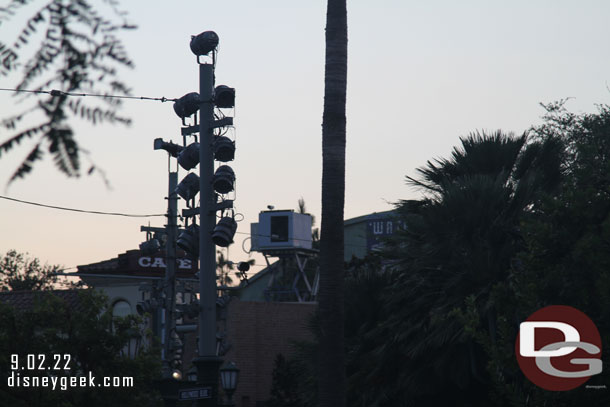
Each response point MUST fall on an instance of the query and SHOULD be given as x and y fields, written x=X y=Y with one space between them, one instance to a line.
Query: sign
x=159 y=262
x=135 y=260
x=378 y=228
x=558 y=348
x=195 y=394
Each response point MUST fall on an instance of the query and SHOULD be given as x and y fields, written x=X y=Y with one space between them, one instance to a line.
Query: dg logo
x=558 y=348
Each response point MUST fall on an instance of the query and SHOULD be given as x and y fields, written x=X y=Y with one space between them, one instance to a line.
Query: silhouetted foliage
x=507 y=226
x=286 y=386
x=566 y=260
x=459 y=241
x=366 y=282
x=77 y=50
x=94 y=341
x=20 y=272
x=224 y=268
x=315 y=232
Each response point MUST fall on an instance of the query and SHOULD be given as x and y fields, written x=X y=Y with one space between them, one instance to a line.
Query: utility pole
x=170 y=273
x=207 y=362
x=213 y=187
x=167 y=297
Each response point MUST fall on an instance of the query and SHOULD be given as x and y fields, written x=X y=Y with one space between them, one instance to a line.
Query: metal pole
x=207 y=362
x=170 y=272
x=168 y=385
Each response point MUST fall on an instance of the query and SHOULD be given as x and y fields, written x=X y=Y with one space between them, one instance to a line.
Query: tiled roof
x=104 y=265
x=25 y=299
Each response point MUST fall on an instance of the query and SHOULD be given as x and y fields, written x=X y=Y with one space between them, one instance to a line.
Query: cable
x=80 y=210
x=55 y=92
x=242 y=245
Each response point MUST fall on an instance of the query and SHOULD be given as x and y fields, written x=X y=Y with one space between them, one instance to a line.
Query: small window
x=279 y=228
x=121 y=308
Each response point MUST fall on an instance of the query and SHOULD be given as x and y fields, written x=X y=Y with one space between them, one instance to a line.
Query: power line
x=124 y=214
x=79 y=210
x=55 y=92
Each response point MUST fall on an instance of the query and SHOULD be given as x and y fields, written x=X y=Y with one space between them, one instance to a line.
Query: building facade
x=365 y=233
x=250 y=334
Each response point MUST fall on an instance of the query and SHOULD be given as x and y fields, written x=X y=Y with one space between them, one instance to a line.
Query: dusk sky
x=420 y=75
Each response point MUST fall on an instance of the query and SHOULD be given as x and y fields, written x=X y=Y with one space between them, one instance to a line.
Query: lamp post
x=229 y=374
x=201 y=240
x=168 y=384
x=207 y=362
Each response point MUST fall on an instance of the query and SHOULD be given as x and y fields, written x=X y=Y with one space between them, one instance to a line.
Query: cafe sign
x=159 y=262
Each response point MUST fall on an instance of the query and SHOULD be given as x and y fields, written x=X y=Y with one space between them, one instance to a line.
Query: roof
x=364 y=218
x=135 y=263
x=24 y=299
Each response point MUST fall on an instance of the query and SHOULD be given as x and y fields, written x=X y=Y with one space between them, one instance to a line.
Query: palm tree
x=454 y=256
x=331 y=383
x=224 y=267
x=315 y=233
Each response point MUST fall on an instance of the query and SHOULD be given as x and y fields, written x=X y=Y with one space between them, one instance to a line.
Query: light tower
x=214 y=189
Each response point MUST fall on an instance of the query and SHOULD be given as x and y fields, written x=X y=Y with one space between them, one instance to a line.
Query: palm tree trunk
x=331 y=383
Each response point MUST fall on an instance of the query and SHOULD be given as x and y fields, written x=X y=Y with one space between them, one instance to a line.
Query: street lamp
x=224 y=149
x=188 y=187
x=224 y=97
x=211 y=185
x=171 y=148
x=204 y=43
x=189 y=157
x=189 y=240
x=143 y=307
x=224 y=231
x=223 y=179
x=187 y=105
x=176 y=374
x=229 y=373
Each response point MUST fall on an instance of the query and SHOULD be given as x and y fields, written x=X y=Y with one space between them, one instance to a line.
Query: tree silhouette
x=77 y=50
x=455 y=253
x=330 y=310
x=50 y=325
x=20 y=272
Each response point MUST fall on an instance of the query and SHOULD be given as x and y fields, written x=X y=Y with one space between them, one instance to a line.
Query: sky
x=420 y=76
